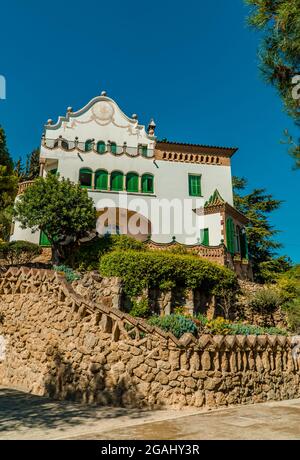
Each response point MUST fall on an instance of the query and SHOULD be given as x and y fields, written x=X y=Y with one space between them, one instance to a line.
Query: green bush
x=152 y=269
x=221 y=326
x=266 y=300
x=87 y=256
x=69 y=273
x=176 y=324
x=19 y=252
x=140 y=308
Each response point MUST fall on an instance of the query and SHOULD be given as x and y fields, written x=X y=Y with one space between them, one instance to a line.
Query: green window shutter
x=117 y=179
x=53 y=171
x=132 y=182
x=194 y=185
x=113 y=148
x=147 y=183
x=101 y=180
x=44 y=240
x=204 y=236
x=230 y=235
x=85 y=178
x=101 y=147
x=88 y=145
x=244 y=245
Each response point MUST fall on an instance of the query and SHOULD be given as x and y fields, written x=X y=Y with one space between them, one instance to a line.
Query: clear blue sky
x=191 y=65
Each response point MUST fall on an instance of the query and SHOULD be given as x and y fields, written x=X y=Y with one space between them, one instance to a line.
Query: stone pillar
x=108 y=181
x=190 y=302
x=140 y=184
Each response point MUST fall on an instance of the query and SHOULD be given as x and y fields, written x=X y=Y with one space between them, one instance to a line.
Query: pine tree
x=257 y=206
x=280 y=52
x=5 y=158
x=19 y=170
x=33 y=165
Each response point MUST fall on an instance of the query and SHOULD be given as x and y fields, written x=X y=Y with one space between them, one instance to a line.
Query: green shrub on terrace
x=176 y=324
x=68 y=272
x=19 y=252
x=221 y=326
x=151 y=269
x=140 y=308
x=88 y=254
x=266 y=300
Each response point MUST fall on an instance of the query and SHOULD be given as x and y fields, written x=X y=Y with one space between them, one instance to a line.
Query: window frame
x=112 y=177
x=199 y=178
x=145 y=177
x=86 y=171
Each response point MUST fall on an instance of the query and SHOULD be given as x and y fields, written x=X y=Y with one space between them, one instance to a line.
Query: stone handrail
x=116 y=322
x=24 y=185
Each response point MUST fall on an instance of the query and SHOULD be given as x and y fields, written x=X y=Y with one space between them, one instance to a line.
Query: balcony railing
x=24 y=185
x=100 y=148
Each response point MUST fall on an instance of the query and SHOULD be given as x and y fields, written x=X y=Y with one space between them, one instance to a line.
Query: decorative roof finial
x=103 y=93
x=49 y=122
x=69 y=109
x=151 y=127
x=134 y=116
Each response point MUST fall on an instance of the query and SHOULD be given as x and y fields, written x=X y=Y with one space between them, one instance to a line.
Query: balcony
x=24 y=185
x=99 y=147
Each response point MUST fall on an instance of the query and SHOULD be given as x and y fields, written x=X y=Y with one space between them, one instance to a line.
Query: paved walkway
x=24 y=416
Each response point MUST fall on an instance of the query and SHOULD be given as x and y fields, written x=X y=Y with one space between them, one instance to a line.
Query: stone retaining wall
x=56 y=343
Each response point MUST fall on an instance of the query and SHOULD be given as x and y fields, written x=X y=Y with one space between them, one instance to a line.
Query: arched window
x=230 y=235
x=113 y=147
x=85 y=177
x=117 y=181
x=101 y=147
x=132 y=182
x=143 y=150
x=147 y=183
x=101 y=179
x=88 y=146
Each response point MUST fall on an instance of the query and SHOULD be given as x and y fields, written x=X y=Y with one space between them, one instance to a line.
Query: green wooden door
x=204 y=236
x=44 y=240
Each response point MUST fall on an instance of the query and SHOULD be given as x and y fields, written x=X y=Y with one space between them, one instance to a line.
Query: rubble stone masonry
x=55 y=342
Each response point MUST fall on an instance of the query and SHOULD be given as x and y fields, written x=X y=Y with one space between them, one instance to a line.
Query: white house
x=162 y=191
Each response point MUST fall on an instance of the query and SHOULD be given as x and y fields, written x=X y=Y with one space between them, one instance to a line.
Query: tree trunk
x=56 y=254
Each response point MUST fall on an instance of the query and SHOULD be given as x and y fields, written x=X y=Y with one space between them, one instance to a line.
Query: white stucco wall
x=102 y=120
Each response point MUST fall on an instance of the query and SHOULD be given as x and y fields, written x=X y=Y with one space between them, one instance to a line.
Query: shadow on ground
x=20 y=410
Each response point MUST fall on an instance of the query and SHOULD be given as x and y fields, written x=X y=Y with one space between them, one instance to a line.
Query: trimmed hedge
x=19 y=252
x=87 y=256
x=152 y=269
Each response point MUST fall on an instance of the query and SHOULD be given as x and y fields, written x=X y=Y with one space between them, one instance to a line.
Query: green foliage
x=140 y=270
x=176 y=324
x=257 y=206
x=5 y=158
x=266 y=300
x=289 y=286
x=59 y=208
x=87 y=256
x=68 y=272
x=221 y=326
x=279 y=20
x=19 y=252
x=140 y=308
